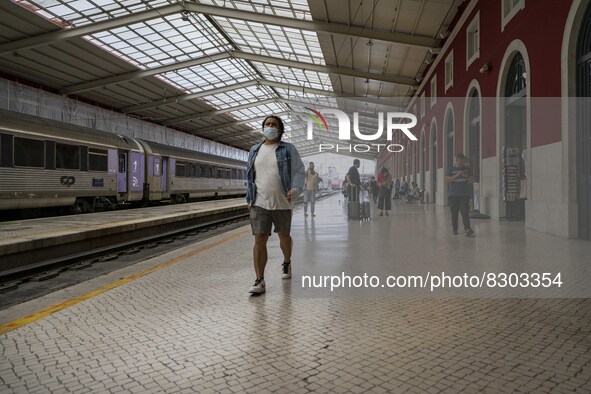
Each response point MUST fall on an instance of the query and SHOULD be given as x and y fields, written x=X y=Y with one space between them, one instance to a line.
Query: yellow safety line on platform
x=66 y=304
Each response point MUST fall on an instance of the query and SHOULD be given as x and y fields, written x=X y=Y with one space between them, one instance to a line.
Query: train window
x=203 y=170
x=29 y=153
x=122 y=163
x=227 y=173
x=194 y=170
x=211 y=171
x=220 y=173
x=157 y=166
x=180 y=169
x=67 y=157
x=234 y=173
x=98 y=159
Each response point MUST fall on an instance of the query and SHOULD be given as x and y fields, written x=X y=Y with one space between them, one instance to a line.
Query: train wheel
x=81 y=206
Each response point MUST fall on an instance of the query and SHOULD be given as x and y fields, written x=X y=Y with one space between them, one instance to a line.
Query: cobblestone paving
x=193 y=328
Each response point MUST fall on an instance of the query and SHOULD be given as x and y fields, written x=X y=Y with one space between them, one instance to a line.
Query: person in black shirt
x=354 y=181
x=459 y=192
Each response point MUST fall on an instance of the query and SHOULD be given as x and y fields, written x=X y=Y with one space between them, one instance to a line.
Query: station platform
x=184 y=322
x=46 y=238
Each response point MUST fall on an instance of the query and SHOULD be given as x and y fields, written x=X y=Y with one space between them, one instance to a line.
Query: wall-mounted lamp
x=485 y=69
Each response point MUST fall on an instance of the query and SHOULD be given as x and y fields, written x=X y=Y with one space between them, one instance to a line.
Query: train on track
x=46 y=163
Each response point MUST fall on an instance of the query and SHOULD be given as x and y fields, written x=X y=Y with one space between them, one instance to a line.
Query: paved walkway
x=192 y=327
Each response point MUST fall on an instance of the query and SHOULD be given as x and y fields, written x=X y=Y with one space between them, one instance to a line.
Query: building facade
x=510 y=89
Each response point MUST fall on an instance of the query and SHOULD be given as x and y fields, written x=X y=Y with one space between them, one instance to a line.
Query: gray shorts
x=261 y=220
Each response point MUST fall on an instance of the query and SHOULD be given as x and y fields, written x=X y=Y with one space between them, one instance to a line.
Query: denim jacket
x=290 y=177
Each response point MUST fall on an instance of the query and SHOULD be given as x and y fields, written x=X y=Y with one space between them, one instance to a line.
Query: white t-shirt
x=311 y=181
x=270 y=193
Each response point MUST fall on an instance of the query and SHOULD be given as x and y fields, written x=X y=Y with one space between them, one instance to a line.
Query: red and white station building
x=508 y=75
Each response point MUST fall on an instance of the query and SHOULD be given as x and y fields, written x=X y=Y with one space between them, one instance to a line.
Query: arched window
x=516 y=78
x=474 y=134
x=449 y=139
x=514 y=149
x=583 y=138
x=433 y=161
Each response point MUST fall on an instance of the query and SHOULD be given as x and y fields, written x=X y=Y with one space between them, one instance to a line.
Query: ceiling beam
x=235 y=55
x=186 y=97
x=263 y=82
x=316 y=26
x=230 y=124
x=322 y=106
x=129 y=76
x=191 y=96
x=160 y=12
x=408 y=81
x=211 y=114
x=91 y=28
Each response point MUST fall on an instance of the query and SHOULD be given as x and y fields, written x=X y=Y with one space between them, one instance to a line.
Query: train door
x=136 y=176
x=122 y=172
x=164 y=178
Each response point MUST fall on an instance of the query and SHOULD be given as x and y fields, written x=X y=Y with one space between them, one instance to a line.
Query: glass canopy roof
x=180 y=37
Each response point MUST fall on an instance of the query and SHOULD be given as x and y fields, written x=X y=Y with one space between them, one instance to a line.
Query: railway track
x=110 y=248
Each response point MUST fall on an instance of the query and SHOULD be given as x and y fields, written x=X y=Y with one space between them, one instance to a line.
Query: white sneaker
x=258 y=287
x=286 y=272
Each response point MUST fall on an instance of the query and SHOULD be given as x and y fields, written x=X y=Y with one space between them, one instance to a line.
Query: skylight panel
x=270 y=40
x=240 y=96
x=211 y=75
x=259 y=110
x=293 y=76
x=164 y=41
x=84 y=12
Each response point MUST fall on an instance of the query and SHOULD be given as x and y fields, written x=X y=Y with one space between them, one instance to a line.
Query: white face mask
x=271 y=133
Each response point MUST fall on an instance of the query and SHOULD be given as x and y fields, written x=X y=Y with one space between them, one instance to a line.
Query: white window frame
x=474 y=26
x=508 y=14
x=449 y=65
x=433 y=90
x=422 y=105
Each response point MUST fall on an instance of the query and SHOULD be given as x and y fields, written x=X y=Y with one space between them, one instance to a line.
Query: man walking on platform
x=275 y=176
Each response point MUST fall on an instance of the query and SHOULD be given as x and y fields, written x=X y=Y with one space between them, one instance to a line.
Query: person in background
x=459 y=192
x=310 y=186
x=396 y=189
x=354 y=181
x=373 y=189
x=275 y=175
x=415 y=191
x=403 y=188
x=385 y=185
